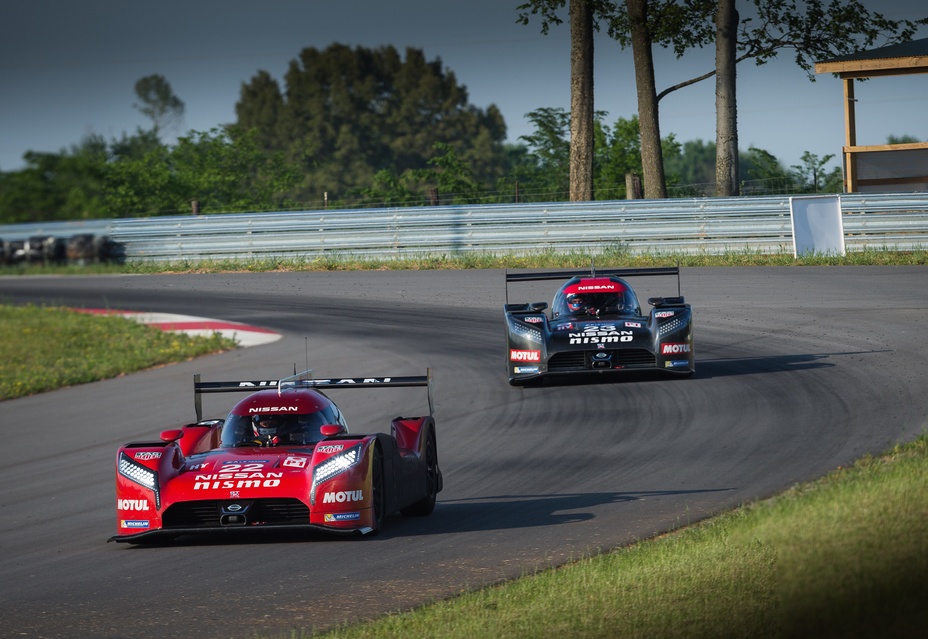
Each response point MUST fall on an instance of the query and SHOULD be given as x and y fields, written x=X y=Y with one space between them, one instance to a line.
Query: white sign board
x=817 y=225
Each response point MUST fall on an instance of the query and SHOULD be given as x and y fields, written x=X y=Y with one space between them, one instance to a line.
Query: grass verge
x=480 y=260
x=45 y=348
x=845 y=556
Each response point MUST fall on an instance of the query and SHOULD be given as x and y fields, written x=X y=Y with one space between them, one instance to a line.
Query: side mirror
x=331 y=430
x=171 y=435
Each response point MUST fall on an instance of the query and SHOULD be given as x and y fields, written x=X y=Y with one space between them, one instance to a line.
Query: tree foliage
x=549 y=145
x=383 y=131
x=616 y=153
x=344 y=115
x=159 y=103
x=220 y=170
x=56 y=186
x=812 y=29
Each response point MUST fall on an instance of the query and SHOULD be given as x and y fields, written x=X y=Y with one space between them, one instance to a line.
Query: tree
x=390 y=190
x=652 y=161
x=767 y=172
x=260 y=109
x=159 y=103
x=811 y=173
x=550 y=146
x=617 y=152
x=56 y=186
x=694 y=166
x=223 y=170
x=726 y=103
x=619 y=16
x=583 y=22
x=581 y=101
x=347 y=114
x=452 y=176
x=901 y=139
x=812 y=29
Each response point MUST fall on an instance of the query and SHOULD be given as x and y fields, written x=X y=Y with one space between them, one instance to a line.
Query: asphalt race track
x=799 y=370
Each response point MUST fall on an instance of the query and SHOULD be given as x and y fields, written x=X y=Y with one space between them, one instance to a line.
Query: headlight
x=333 y=466
x=139 y=474
x=669 y=327
x=521 y=330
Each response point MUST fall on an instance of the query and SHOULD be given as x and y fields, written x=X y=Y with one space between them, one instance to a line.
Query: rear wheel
x=378 y=497
x=426 y=505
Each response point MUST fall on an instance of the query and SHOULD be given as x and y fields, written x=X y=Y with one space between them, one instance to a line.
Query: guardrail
x=897 y=221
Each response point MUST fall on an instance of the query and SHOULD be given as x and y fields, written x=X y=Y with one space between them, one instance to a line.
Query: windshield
x=245 y=430
x=581 y=305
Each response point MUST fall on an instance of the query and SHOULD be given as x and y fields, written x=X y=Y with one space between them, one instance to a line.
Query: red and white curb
x=244 y=334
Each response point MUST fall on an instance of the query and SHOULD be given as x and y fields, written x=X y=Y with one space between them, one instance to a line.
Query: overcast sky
x=68 y=69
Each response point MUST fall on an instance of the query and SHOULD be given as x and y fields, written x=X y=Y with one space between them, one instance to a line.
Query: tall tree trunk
x=727 y=181
x=652 y=158
x=581 y=101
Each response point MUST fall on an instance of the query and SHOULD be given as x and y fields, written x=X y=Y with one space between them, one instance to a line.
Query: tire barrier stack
x=80 y=249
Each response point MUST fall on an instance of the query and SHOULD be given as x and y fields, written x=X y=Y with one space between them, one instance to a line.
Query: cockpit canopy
x=590 y=297
x=267 y=418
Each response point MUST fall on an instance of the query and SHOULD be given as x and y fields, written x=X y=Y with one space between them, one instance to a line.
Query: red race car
x=283 y=459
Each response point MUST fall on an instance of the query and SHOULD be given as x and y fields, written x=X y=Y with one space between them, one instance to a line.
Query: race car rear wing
x=593 y=272
x=306 y=380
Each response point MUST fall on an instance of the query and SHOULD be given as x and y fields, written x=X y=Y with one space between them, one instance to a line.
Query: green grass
x=45 y=348
x=845 y=556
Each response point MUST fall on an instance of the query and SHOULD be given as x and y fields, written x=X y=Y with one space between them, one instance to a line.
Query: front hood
x=242 y=473
x=613 y=332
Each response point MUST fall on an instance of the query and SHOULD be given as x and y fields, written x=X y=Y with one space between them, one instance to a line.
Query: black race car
x=595 y=325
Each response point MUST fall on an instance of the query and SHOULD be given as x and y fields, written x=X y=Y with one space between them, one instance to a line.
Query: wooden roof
x=895 y=59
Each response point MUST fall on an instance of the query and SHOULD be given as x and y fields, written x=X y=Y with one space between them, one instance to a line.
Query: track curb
x=246 y=335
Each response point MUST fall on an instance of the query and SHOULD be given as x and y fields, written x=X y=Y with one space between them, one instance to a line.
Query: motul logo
x=674 y=349
x=343 y=496
x=524 y=356
x=132 y=504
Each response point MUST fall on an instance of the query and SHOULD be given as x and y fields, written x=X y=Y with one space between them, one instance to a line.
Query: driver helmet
x=267 y=428
x=575 y=303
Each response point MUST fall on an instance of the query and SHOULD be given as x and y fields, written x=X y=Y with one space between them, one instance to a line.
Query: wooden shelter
x=883 y=167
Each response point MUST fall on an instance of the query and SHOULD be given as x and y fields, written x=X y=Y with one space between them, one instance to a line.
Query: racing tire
x=378 y=494
x=426 y=505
